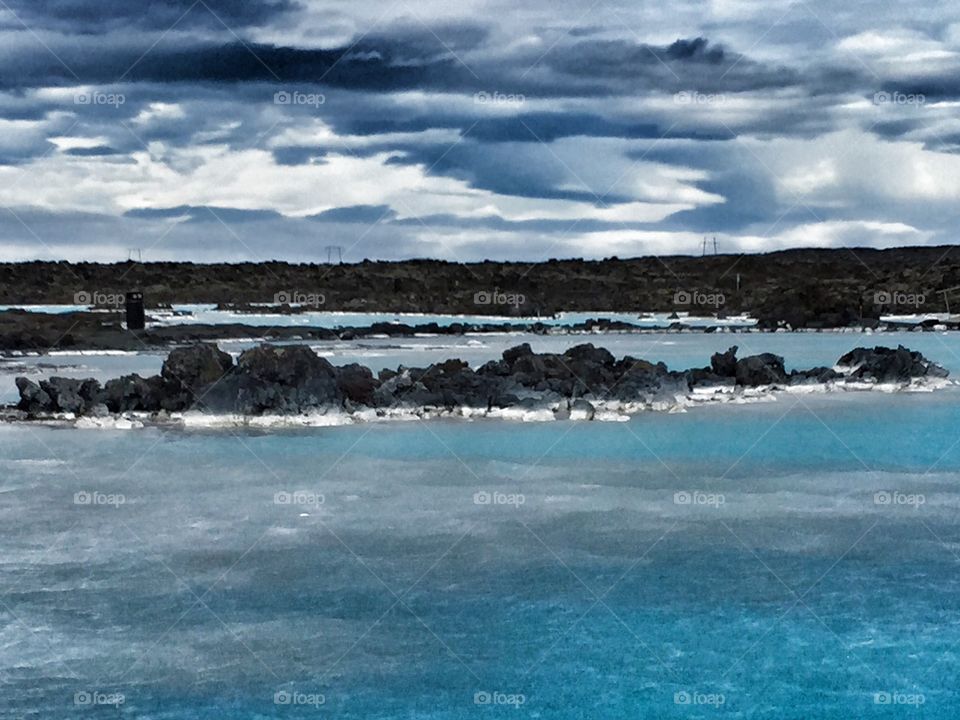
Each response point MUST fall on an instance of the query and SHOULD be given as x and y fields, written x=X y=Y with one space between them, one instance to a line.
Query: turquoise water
x=732 y=561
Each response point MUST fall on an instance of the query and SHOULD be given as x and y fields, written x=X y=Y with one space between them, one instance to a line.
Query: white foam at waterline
x=318 y=419
x=604 y=410
x=522 y=414
x=712 y=390
x=108 y=423
x=92 y=353
x=607 y=416
x=581 y=414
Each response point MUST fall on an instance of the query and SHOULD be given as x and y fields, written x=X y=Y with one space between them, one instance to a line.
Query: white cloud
x=854 y=168
x=160 y=112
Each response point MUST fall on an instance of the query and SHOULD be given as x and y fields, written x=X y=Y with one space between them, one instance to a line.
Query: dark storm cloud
x=97 y=151
x=204 y=214
x=505 y=170
x=933 y=87
x=898 y=128
x=746 y=186
x=102 y=16
x=364 y=231
x=494 y=222
x=550 y=126
x=365 y=214
x=601 y=97
x=684 y=64
x=409 y=60
x=749 y=199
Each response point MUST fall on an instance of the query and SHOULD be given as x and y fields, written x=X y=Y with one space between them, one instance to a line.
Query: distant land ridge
x=799 y=287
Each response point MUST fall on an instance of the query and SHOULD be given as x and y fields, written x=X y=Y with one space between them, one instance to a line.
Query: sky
x=235 y=130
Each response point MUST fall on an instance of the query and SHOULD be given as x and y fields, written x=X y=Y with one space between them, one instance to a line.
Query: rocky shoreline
x=583 y=383
x=23 y=332
x=31 y=332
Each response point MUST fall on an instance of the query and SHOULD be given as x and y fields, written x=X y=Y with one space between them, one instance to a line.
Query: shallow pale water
x=795 y=559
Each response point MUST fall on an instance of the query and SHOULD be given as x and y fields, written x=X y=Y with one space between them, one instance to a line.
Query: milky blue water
x=732 y=561
x=209 y=314
x=187 y=314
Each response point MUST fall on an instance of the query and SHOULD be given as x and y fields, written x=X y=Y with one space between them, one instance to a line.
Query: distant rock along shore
x=32 y=332
x=23 y=332
x=580 y=383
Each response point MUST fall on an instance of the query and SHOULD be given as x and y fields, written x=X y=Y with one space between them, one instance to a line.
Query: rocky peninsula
x=585 y=383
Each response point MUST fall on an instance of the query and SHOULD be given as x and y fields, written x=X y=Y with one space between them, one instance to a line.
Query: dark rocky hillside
x=805 y=288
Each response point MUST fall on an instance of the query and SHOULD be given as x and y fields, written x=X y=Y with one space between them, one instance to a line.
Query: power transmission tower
x=331 y=249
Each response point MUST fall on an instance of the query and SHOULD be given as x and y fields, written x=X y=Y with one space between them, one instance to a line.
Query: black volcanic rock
x=70 y=395
x=885 y=365
x=33 y=399
x=454 y=384
x=725 y=364
x=357 y=383
x=815 y=375
x=511 y=355
x=189 y=372
x=268 y=379
x=293 y=379
x=133 y=393
x=590 y=355
x=762 y=369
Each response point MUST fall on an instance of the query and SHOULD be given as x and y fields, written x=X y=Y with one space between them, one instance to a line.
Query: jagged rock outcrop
x=70 y=395
x=269 y=379
x=33 y=398
x=725 y=364
x=885 y=365
x=357 y=384
x=132 y=393
x=189 y=372
x=762 y=369
x=291 y=380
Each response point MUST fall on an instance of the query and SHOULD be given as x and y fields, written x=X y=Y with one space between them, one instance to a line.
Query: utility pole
x=946 y=296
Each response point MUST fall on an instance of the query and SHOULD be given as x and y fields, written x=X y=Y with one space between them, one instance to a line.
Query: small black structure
x=135 y=315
